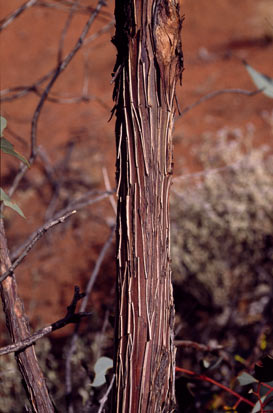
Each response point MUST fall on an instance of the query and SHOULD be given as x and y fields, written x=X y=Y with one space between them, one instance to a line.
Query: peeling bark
x=149 y=63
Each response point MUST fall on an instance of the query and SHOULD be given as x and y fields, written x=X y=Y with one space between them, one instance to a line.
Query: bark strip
x=149 y=63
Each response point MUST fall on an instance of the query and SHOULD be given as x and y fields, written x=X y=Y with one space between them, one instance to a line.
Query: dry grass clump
x=222 y=226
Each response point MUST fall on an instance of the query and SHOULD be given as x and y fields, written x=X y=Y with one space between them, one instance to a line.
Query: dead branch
x=70 y=318
x=108 y=188
x=217 y=93
x=210 y=171
x=38 y=234
x=65 y=30
x=103 y=30
x=66 y=6
x=197 y=346
x=20 y=91
x=103 y=400
x=75 y=205
x=9 y=19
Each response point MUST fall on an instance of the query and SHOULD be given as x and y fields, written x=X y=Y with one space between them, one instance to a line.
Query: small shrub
x=222 y=225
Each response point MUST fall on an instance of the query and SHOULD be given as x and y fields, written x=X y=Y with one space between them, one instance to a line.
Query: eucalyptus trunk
x=149 y=63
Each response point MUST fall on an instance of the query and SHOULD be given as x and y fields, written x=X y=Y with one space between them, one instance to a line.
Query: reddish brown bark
x=19 y=329
x=149 y=63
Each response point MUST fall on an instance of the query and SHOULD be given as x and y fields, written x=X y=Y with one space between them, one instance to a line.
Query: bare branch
x=103 y=400
x=75 y=205
x=9 y=19
x=81 y=8
x=20 y=91
x=197 y=346
x=96 y=270
x=76 y=99
x=31 y=244
x=60 y=68
x=103 y=30
x=217 y=93
x=70 y=317
x=65 y=29
x=108 y=188
x=72 y=347
x=210 y=171
x=23 y=90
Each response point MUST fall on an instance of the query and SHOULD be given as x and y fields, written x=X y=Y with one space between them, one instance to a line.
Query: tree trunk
x=149 y=63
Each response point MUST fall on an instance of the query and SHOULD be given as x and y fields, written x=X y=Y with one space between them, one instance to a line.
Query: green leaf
x=101 y=366
x=8 y=148
x=8 y=202
x=245 y=379
x=3 y=124
x=263 y=82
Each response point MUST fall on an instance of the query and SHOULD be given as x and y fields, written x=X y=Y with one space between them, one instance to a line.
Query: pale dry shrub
x=222 y=224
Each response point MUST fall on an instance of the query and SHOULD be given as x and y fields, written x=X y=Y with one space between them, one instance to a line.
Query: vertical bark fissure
x=149 y=63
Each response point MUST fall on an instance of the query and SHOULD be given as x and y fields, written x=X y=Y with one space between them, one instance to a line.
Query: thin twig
x=203 y=377
x=81 y=203
x=31 y=244
x=60 y=68
x=96 y=270
x=70 y=317
x=108 y=188
x=209 y=171
x=81 y=8
x=103 y=400
x=85 y=98
x=20 y=91
x=101 y=31
x=65 y=29
x=85 y=82
x=217 y=93
x=23 y=90
x=9 y=19
x=72 y=347
x=55 y=183
x=196 y=346
x=75 y=205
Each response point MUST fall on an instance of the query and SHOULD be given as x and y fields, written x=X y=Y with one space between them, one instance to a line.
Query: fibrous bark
x=149 y=63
